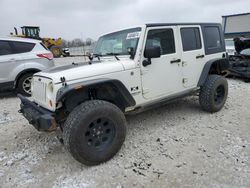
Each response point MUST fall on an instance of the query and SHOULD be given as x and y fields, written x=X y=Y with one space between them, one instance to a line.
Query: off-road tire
x=209 y=92
x=20 y=83
x=80 y=125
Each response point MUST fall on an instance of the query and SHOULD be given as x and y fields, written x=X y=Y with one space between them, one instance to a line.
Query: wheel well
x=107 y=92
x=23 y=73
x=214 y=66
x=218 y=67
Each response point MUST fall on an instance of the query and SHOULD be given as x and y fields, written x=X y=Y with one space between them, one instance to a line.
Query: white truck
x=130 y=70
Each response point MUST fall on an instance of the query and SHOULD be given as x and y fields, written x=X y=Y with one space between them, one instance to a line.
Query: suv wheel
x=94 y=132
x=24 y=84
x=213 y=93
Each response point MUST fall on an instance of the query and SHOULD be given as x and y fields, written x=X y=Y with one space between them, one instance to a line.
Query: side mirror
x=152 y=52
x=131 y=52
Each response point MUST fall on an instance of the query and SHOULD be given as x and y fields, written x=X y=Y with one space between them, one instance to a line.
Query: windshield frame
x=99 y=43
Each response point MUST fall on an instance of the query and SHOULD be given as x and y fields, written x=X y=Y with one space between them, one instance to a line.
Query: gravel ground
x=177 y=145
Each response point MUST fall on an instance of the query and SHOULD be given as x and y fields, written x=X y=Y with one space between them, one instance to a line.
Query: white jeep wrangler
x=129 y=71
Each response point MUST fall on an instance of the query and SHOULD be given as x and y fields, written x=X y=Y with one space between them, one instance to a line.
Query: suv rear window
x=22 y=47
x=191 y=39
x=5 y=48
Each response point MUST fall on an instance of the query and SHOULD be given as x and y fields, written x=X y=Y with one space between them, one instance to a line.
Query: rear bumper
x=40 y=118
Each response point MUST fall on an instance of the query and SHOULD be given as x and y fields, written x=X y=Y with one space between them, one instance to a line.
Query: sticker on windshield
x=133 y=35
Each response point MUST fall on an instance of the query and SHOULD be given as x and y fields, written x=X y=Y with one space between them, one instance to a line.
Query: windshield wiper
x=98 y=56
x=114 y=54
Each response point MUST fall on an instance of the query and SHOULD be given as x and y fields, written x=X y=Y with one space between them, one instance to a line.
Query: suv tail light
x=48 y=56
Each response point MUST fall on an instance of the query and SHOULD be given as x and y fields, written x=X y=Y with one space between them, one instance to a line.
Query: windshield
x=118 y=43
x=229 y=43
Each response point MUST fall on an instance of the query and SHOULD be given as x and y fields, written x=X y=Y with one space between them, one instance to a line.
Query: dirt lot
x=177 y=145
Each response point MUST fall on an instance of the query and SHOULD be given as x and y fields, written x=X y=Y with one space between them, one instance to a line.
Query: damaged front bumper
x=40 y=118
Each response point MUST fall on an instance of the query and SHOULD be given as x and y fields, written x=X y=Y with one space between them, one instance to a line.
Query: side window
x=191 y=39
x=23 y=47
x=5 y=48
x=163 y=38
x=212 y=35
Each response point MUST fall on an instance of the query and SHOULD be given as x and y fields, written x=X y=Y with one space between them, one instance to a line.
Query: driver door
x=163 y=76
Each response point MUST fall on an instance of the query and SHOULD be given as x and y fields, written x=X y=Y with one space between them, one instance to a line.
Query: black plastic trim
x=6 y=86
x=127 y=98
x=207 y=67
x=39 y=117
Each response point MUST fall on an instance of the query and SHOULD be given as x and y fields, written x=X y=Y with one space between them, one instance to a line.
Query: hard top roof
x=19 y=39
x=175 y=24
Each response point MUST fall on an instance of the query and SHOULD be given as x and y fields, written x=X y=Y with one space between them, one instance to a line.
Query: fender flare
x=222 y=63
x=117 y=87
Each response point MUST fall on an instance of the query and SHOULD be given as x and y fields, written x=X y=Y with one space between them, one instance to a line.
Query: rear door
x=193 y=54
x=25 y=50
x=9 y=62
x=163 y=76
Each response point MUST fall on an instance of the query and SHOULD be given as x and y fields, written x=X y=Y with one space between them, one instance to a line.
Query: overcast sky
x=82 y=18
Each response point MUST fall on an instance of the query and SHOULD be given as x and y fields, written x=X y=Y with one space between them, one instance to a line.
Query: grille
x=39 y=91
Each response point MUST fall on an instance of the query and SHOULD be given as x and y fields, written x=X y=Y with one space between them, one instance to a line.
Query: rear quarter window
x=5 y=48
x=213 y=34
x=23 y=47
x=213 y=39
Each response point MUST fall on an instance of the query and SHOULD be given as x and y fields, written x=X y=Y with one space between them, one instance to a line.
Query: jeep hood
x=81 y=71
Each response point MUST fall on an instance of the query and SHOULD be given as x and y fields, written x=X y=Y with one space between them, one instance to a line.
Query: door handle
x=200 y=56
x=12 y=59
x=175 y=61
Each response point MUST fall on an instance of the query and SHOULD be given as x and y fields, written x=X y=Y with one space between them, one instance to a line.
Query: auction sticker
x=133 y=35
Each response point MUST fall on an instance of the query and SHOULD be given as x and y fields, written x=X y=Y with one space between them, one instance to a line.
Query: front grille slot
x=39 y=91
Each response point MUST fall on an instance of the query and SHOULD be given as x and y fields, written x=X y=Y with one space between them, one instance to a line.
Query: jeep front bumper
x=40 y=118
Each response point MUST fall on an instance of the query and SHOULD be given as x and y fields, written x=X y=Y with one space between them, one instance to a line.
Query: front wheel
x=213 y=93
x=94 y=132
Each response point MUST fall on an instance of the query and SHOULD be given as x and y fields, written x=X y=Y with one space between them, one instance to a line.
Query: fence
x=81 y=50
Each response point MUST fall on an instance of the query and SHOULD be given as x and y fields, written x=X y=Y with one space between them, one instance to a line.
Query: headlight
x=50 y=89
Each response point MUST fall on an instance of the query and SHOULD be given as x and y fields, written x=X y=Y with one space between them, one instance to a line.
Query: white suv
x=19 y=60
x=130 y=70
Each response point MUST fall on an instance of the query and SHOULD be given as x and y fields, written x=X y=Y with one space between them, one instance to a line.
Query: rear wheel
x=94 y=132
x=213 y=93
x=24 y=84
x=56 y=51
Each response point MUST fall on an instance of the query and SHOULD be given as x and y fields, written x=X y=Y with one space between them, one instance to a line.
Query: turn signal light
x=50 y=103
